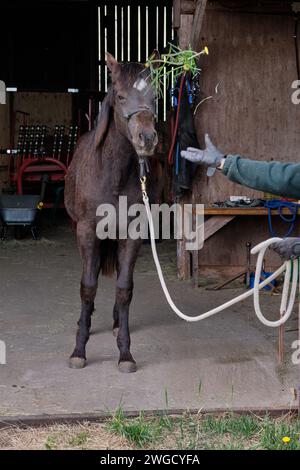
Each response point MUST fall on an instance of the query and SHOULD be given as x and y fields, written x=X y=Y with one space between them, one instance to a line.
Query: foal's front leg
x=89 y=249
x=127 y=255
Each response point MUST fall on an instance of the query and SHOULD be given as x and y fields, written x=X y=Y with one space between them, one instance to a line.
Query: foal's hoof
x=77 y=362
x=127 y=367
x=115 y=332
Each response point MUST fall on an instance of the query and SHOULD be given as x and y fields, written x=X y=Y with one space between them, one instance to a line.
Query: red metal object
x=32 y=169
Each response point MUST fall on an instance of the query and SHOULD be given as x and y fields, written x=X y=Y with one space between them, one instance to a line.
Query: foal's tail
x=108 y=258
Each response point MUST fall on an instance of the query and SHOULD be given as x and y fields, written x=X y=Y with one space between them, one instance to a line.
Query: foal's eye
x=122 y=99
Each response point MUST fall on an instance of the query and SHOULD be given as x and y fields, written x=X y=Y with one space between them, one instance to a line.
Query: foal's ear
x=103 y=118
x=113 y=66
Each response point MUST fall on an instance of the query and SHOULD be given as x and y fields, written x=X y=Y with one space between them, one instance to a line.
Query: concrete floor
x=227 y=361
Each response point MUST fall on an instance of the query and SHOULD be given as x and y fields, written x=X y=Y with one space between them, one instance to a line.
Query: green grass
x=79 y=440
x=271 y=436
x=238 y=426
x=227 y=432
x=51 y=443
x=138 y=431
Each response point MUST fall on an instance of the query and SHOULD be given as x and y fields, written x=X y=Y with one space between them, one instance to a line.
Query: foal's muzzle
x=144 y=136
x=147 y=141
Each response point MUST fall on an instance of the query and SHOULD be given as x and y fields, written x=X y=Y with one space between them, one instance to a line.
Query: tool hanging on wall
x=183 y=132
x=180 y=67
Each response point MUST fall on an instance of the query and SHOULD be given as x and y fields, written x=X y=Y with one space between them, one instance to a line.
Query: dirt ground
x=228 y=361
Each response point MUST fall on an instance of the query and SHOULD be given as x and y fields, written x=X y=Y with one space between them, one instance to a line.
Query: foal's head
x=134 y=104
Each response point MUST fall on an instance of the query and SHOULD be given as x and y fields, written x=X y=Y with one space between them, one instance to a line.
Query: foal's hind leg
x=88 y=245
x=127 y=254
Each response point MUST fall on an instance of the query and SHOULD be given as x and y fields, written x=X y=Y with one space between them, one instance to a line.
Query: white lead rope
x=285 y=310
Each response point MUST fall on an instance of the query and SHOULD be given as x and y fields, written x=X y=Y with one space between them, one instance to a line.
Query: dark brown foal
x=106 y=166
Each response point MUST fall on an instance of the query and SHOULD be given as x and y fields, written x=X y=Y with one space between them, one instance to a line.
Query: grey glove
x=211 y=156
x=288 y=248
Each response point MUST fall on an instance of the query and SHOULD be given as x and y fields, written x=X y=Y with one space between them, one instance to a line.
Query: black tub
x=19 y=210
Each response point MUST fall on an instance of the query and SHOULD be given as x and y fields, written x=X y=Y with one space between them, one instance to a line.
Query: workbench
x=209 y=210
x=219 y=217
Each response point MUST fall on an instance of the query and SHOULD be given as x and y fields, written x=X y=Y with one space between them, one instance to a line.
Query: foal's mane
x=130 y=72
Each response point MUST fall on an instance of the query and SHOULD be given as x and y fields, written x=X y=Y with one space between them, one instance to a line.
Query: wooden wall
x=252 y=58
x=45 y=108
x=225 y=252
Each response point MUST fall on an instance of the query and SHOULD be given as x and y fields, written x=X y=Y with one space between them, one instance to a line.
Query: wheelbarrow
x=21 y=210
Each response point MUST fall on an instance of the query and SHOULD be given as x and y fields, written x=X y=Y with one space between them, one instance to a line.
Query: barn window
x=130 y=31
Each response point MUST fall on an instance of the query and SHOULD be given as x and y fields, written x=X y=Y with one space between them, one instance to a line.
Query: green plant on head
x=172 y=65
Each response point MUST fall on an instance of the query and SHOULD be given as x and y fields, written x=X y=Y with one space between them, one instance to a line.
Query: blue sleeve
x=274 y=177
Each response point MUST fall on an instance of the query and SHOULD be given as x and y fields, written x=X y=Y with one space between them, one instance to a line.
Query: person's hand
x=288 y=248
x=210 y=156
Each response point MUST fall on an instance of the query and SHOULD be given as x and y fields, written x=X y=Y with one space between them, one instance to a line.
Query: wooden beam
x=197 y=23
x=215 y=223
x=184 y=34
x=176 y=14
x=188 y=7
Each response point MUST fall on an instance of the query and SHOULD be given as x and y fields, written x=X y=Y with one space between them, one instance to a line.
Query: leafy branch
x=171 y=65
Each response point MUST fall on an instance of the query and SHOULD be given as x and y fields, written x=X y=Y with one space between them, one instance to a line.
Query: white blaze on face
x=140 y=84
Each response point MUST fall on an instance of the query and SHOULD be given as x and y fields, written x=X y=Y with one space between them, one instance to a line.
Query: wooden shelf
x=208 y=210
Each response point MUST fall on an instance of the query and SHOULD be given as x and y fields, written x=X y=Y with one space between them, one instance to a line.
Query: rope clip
x=143 y=181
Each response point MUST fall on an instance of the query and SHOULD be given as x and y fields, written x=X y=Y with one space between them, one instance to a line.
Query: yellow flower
x=286 y=439
x=186 y=67
x=206 y=51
